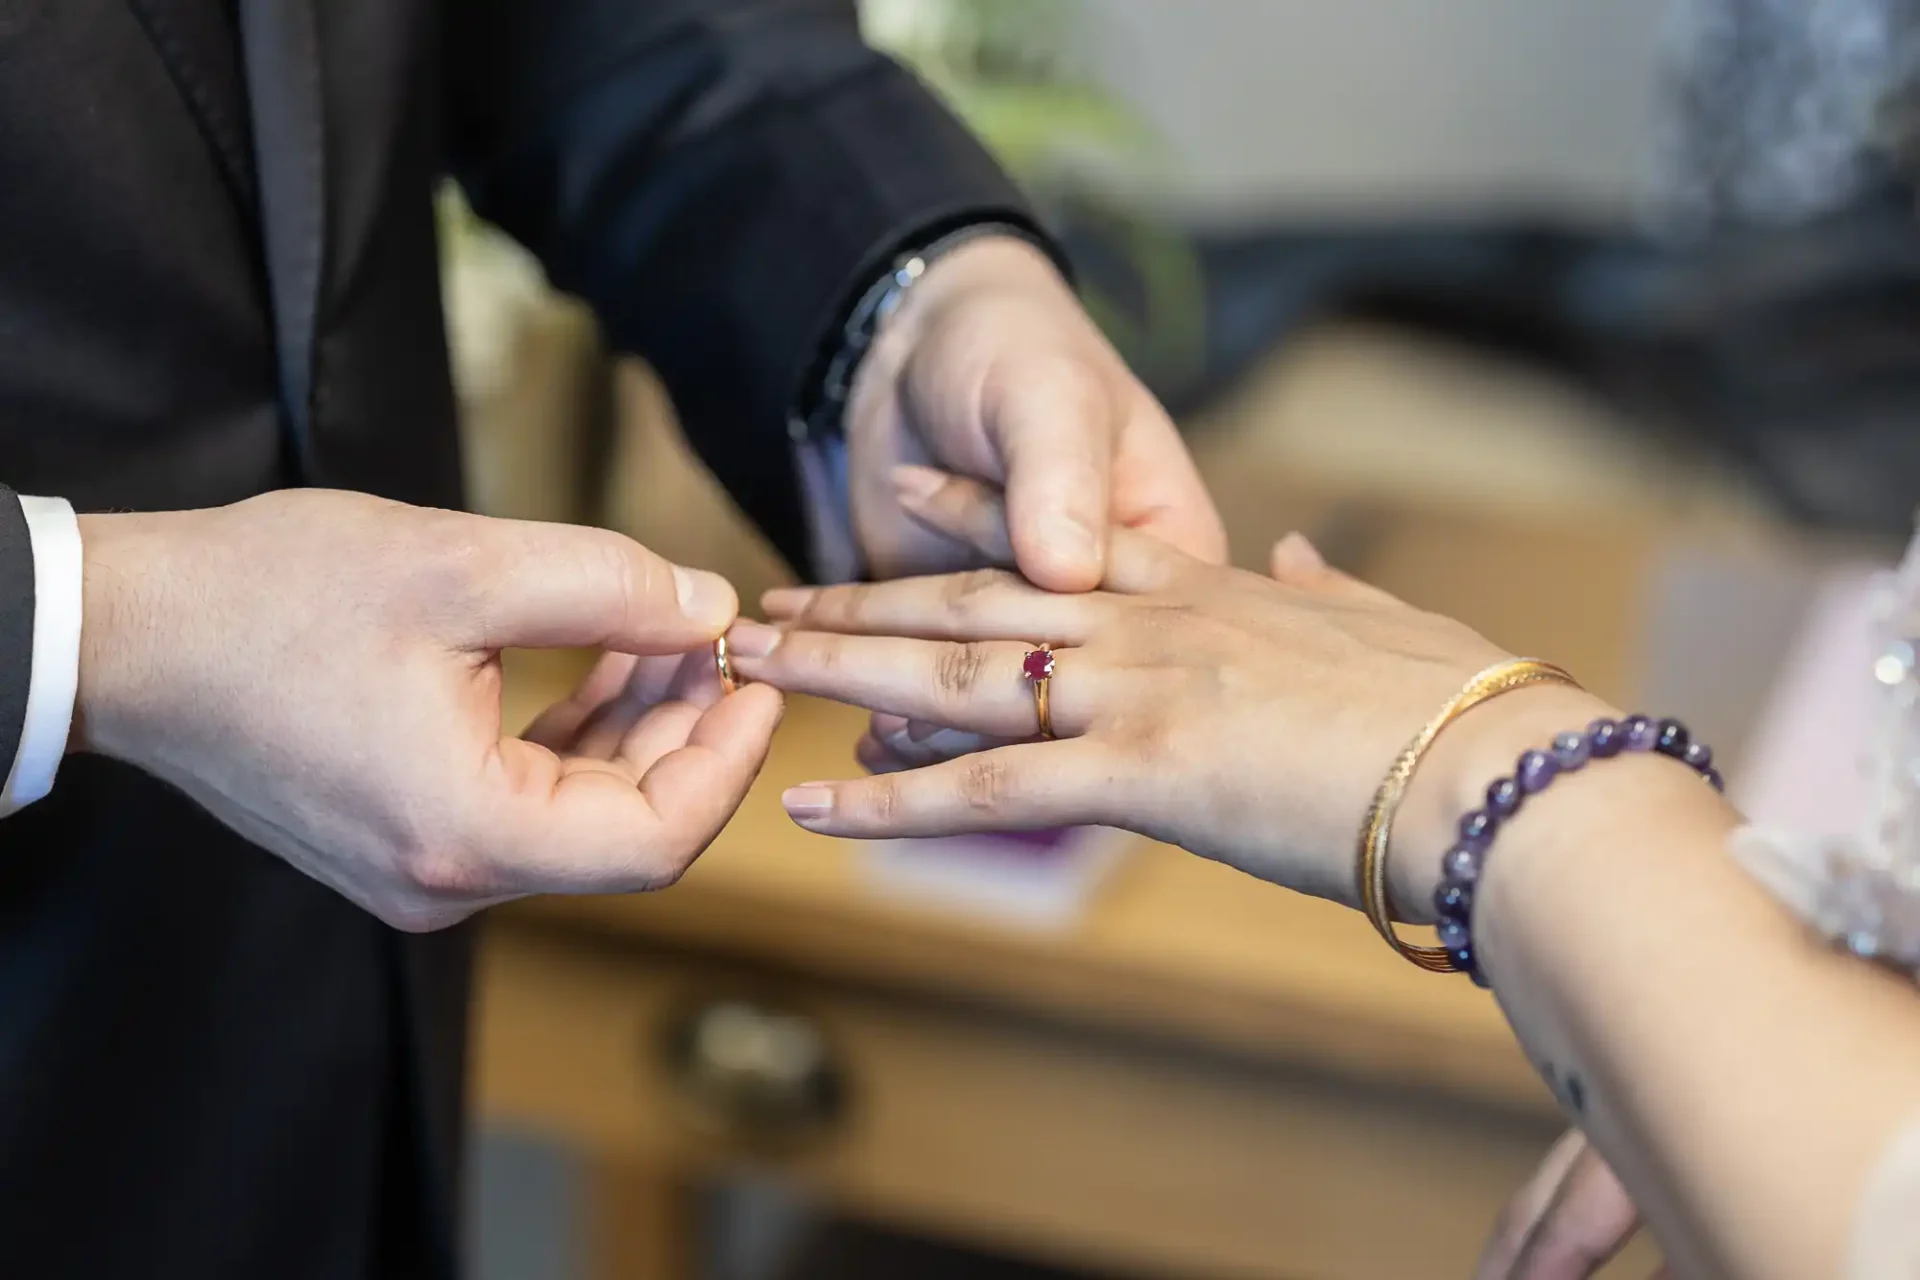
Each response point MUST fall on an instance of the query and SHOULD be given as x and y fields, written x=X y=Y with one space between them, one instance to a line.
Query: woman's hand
x=1245 y=719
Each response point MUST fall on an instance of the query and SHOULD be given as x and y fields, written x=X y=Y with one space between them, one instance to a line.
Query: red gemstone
x=1038 y=664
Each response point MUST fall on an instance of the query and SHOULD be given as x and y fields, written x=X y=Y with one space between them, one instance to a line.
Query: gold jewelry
x=1037 y=669
x=1377 y=831
x=724 y=665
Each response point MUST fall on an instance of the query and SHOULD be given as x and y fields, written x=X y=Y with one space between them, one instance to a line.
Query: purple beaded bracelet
x=1460 y=870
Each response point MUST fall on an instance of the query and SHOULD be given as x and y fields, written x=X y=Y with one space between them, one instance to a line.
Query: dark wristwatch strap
x=822 y=411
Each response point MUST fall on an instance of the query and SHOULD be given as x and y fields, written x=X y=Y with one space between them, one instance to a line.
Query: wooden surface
x=641 y=1217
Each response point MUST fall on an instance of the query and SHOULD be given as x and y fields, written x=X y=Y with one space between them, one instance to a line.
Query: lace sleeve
x=1863 y=890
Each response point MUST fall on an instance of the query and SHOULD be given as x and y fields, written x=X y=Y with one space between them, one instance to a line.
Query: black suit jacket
x=218 y=275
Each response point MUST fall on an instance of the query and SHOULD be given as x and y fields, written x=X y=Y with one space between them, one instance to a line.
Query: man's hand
x=991 y=369
x=321 y=671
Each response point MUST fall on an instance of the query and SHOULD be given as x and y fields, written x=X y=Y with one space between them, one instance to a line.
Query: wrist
x=120 y=580
x=990 y=263
x=1482 y=746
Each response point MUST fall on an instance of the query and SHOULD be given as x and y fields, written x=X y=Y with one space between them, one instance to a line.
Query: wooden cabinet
x=1133 y=1151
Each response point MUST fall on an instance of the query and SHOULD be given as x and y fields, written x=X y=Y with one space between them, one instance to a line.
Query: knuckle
x=1168 y=619
x=451 y=567
x=443 y=875
x=455 y=569
x=1148 y=741
x=832 y=608
x=817 y=652
x=965 y=593
x=663 y=873
x=1067 y=380
x=633 y=581
x=881 y=801
x=984 y=784
x=957 y=671
x=622 y=586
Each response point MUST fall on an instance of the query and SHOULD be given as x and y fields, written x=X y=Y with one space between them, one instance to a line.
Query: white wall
x=1371 y=106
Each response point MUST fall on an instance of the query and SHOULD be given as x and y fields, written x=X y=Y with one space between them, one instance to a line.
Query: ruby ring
x=1037 y=668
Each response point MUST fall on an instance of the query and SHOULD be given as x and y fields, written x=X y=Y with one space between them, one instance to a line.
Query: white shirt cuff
x=829 y=508
x=55 y=677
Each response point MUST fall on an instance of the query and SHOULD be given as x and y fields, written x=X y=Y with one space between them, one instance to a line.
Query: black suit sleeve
x=720 y=179
x=16 y=626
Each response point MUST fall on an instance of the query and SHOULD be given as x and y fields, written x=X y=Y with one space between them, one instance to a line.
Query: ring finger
x=978 y=686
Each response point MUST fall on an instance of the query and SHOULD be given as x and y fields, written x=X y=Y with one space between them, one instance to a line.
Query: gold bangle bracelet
x=1377 y=831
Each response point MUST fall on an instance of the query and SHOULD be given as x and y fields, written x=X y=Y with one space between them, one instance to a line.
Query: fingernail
x=914 y=483
x=752 y=639
x=784 y=602
x=808 y=800
x=705 y=598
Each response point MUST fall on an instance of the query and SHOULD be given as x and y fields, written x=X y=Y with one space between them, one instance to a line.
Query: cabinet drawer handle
x=758 y=1074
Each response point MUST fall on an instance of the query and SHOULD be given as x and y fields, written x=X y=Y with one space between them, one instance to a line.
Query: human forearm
x=1742 y=1079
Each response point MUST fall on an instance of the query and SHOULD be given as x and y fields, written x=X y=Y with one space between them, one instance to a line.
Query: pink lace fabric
x=1862 y=890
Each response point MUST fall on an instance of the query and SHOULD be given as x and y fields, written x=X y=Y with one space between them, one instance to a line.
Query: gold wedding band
x=723 y=665
x=1037 y=669
x=1376 y=833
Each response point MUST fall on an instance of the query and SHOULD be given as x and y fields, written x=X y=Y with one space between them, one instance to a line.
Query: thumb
x=1054 y=426
x=554 y=586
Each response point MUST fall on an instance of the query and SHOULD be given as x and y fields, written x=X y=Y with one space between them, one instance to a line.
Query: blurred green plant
x=1008 y=68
